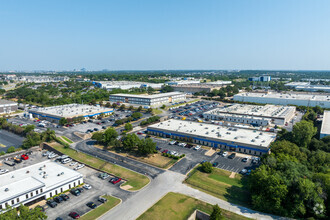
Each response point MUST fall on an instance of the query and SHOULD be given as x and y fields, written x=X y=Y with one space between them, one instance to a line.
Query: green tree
x=23 y=213
x=216 y=213
x=122 y=107
x=63 y=121
x=11 y=149
x=303 y=132
x=48 y=135
x=130 y=142
x=147 y=146
x=114 y=105
x=110 y=134
x=29 y=128
x=163 y=107
x=98 y=136
x=128 y=127
x=139 y=109
x=130 y=108
x=136 y=115
x=207 y=167
x=149 y=110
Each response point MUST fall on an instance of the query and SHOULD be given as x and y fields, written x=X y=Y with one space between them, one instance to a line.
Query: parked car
x=101 y=199
x=87 y=186
x=24 y=157
x=65 y=197
x=115 y=180
x=17 y=160
x=215 y=164
x=103 y=175
x=225 y=154
x=74 y=215
x=75 y=192
x=91 y=205
x=58 y=199
x=232 y=156
x=96 y=129
x=245 y=159
x=51 y=203
x=3 y=171
x=197 y=147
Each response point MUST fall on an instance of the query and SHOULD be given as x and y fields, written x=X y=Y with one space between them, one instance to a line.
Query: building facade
x=37 y=182
x=325 y=128
x=7 y=106
x=148 y=100
x=228 y=138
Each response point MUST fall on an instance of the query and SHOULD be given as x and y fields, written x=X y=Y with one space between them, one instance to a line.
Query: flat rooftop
x=70 y=110
x=197 y=85
x=293 y=84
x=32 y=177
x=159 y=95
x=255 y=110
x=230 y=134
x=292 y=96
x=325 y=129
x=6 y=102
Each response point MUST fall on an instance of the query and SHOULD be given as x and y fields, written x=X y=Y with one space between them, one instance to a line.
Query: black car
x=91 y=205
x=80 y=189
x=59 y=218
x=96 y=129
x=104 y=127
x=215 y=164
x=65 y=197
x=58 y=199
x=51 y=203
x=232 y=156
x=220 y=152
x=75 y=192
x=245 y=159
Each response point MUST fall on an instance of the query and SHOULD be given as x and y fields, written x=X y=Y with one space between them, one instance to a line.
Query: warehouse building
x=37 y=182
x=7 y=106
x=195 y=87
x=70 y=111
x=253 y=114
x=228 y=138
x=306 y=86
x=125 y=85
x=298 y=99
x=149 y=100
x=325 y=129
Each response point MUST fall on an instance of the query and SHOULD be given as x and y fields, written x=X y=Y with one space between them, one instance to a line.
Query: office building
x=7 y=106
x=37 y=182
x=228 y=138
x=253 y=114
x=298 y=99
x=148 y=100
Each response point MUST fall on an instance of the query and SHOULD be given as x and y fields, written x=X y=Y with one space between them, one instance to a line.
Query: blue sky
x=164 y=34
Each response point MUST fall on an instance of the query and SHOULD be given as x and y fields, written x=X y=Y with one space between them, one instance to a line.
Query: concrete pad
x=232 y=175
x=126 y=187
x=210 y=152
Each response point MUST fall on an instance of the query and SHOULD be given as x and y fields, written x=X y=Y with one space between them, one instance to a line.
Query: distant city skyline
x=164 y=35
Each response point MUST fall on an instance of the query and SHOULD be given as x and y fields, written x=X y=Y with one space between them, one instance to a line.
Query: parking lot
x=8 y=139
x=194 y=157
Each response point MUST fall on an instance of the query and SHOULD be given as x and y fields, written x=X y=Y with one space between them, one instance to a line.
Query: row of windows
x=57 y=192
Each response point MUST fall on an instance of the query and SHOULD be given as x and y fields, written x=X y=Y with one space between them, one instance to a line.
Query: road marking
x=222 y=166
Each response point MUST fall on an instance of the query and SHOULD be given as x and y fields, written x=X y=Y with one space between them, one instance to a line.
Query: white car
x=225 y=154
x=79 y=166
x=87 y=186
x=171 y=143
x=197 y=147
x=66 y=160
x=73 y=163
x=3 y=171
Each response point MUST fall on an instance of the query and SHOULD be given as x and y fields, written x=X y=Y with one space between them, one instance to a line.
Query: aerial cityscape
x=165 y=110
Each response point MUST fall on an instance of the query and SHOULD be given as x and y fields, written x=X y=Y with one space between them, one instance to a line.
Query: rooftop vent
x=6 y=190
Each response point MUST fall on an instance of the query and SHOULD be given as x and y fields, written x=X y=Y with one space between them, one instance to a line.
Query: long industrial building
x=298 y=99
x=228 y=138
x=70 y=111
x=7 y=106
x=306 y=86
x=325 y=128
x=37 y=182
x=125 y=85
x=148 y=100
x=196 y=87
x=253 y=114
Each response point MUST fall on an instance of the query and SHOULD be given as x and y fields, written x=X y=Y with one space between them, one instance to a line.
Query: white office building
x=298 y=99
x=325 y=129
x=125 y=85
x=148 y=100
x=253 y=114
x=35 y=183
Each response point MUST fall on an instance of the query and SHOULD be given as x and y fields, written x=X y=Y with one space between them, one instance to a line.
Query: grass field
x=156 y=111
x=175 y=206
x=156 y=160
x=136 y=180
x=100 y=210
x=220 y=185
x=67 y=139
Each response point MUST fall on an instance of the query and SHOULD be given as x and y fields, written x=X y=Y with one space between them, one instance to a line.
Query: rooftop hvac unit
x=6 y=190
x=252 y=140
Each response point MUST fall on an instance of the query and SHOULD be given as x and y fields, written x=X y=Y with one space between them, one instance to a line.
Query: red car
x=24 y=157
x=98 y=123
x=165 y=151
x=139 y=133
x=74 y=215
x=115 y=180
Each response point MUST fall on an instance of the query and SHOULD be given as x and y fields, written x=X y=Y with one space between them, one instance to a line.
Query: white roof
x=32 y=177
x=292 y=96
x=159 y=95
x=229 y=134
x=254 y=110
x=325 y=129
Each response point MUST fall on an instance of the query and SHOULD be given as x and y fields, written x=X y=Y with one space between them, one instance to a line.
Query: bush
x=207 y=167
x=2 y=153
x=11 y=149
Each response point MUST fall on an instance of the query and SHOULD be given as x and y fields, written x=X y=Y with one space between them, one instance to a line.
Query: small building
x=37 y=182
x=253 y=114
x=241 y=140
x=70 y=111
x=148 y=100
x=299 y=99
x=7 y=106
x=325 y=128
x=260 y=79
